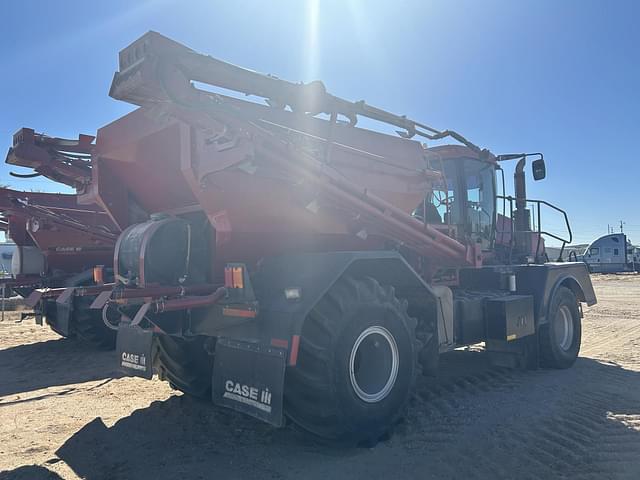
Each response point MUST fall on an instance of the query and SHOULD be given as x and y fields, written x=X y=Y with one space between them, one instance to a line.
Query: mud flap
x=134 y=348
x=64 y=310
x=249 y=378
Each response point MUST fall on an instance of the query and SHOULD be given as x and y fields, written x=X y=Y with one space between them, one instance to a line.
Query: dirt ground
x=65 y=413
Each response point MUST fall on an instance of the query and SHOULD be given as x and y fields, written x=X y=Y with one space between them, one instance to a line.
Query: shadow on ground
x=29 y=472
x=474 y=422
x=62 y=361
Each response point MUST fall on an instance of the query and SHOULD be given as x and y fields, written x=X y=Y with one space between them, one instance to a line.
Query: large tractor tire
x=185 y=364
x=90 y=327
x=560 y=337
x=85 y=324
x=356 y=364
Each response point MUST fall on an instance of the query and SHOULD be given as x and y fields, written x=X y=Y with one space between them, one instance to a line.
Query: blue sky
x=560 y=77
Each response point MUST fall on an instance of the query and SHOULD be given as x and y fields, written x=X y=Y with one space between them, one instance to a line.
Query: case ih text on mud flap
x=133 y=346
x=249 y=377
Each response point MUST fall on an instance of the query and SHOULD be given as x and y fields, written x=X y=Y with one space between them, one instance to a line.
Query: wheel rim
x=564 y=328
x=373 y=364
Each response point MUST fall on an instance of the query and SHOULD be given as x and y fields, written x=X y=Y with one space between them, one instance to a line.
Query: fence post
x=4 y=289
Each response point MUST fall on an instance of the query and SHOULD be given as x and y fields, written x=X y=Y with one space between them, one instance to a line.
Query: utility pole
x=622 y=226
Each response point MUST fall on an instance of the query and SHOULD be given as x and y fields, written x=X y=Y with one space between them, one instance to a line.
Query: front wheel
x=356 y=364
x=560 y=337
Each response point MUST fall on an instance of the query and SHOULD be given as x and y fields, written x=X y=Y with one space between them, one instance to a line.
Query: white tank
x=27 y=261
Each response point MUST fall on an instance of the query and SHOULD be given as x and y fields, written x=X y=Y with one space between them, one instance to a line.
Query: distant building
x=612 y=253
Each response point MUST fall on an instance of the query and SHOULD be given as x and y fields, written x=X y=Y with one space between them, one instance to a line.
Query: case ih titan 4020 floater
x=294 y=264
x=58 y=241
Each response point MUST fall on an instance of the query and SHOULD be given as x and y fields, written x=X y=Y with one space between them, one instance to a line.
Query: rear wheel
x=185 y=364
x=89 y=325
x=356 y=364
x=560 y=337
x=84 y=324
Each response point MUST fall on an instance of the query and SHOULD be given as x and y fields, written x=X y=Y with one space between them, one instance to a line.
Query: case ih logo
x=248 y=395
x=134 y=361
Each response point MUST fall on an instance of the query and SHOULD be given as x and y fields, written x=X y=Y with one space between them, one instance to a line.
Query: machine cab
x=464 y=199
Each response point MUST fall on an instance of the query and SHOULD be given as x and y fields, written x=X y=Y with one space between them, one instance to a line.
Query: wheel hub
x=373 y=364
x=564 y=328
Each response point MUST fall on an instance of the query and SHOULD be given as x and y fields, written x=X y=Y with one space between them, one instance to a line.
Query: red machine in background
x=281 y=260
x=68 y=237
x=58 y=241
x=59 y=159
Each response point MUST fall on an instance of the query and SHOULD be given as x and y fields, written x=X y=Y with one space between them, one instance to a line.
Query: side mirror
x=539 y=169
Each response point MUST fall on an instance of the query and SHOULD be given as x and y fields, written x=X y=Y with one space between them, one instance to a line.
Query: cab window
x=439 y=206
x=480 y=201
x=465 y=197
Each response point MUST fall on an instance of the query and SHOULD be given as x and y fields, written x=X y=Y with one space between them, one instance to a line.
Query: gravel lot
x=65 y=413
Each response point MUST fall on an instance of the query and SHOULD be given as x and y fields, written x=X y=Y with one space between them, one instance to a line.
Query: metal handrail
x=539 y=230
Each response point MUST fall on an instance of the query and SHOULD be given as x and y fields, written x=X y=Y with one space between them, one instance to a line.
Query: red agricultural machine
x=58 y=241
x=293 y=264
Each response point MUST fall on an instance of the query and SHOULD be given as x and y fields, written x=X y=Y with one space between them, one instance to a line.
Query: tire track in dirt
x=581 y=423
x=580 y=439
x=619 y=337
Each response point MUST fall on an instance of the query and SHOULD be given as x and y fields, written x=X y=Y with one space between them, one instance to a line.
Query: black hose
x=25 y=175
